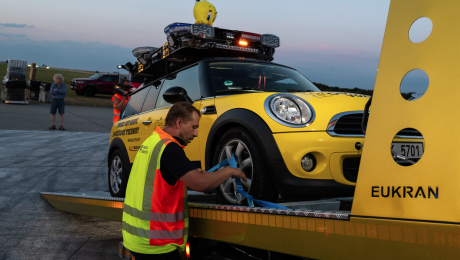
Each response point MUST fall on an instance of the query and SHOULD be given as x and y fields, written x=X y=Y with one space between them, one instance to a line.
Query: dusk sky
x=333 y=42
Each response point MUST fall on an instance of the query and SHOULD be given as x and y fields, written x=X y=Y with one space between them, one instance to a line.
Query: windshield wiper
x=238 y=90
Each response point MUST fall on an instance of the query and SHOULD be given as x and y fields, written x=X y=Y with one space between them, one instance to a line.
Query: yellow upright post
x=433 y=182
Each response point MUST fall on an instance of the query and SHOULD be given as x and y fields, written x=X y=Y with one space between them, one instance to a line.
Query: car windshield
x=96 y=76
x=237 y=76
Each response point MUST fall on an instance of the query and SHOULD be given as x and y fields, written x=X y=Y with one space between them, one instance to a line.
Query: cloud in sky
x=64 y=54
x=13 y=35
x=15 y=25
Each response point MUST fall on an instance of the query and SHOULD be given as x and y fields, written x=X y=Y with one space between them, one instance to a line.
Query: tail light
x=187 y=250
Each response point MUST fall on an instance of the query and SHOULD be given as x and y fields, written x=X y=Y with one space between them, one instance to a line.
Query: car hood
x=325 y=105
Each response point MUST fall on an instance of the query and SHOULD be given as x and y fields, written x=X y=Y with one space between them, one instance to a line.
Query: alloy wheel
x=244 y=162
x=116 y=170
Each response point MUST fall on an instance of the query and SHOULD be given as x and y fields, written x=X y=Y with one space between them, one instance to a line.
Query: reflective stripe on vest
x=155 y=214
x=155 y=234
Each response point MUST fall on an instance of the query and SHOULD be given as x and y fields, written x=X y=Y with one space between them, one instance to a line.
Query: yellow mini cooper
x=288 y=137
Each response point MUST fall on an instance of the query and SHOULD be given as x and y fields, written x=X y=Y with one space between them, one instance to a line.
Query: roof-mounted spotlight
x=137 y=52
x=128 y=66
x=270 y=40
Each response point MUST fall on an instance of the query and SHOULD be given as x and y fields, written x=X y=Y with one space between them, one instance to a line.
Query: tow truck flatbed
x=317 y=234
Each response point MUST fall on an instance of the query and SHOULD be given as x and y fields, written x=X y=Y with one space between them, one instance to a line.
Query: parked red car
x=96 y=84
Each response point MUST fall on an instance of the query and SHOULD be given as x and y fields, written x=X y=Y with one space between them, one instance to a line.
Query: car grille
x=73 y=83
x=351 y=168
x=350 y=124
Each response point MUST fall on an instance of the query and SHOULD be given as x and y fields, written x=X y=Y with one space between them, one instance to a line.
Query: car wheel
x=118 y=174
x=90 y=91
x=250 y=160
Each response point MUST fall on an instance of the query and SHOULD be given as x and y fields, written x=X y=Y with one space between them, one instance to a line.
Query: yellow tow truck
x=397 y=212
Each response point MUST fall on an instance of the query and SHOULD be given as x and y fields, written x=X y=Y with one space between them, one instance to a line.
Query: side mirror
x=175 y=95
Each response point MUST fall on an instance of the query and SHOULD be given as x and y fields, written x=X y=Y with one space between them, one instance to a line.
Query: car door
x=148 y=109
x=104 y=85
x=115 y=81
x=130 y=125
x=187 y=79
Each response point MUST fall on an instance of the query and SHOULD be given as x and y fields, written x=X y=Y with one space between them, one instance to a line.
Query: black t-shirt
x=174 y=164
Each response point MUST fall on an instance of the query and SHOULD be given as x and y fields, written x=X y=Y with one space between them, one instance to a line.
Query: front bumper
x=330 y=153
x=76 y=87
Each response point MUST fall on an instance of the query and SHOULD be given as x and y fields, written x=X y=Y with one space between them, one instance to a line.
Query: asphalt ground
x=36 y=116
x=34 y=159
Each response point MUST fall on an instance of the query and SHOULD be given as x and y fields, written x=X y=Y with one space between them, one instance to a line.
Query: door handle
x=147 y=122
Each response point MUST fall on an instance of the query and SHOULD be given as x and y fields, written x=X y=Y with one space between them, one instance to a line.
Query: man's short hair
x=182 y=110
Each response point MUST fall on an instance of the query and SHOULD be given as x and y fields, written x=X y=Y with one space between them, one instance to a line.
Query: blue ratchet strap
x=221 y=164
x=240 y=190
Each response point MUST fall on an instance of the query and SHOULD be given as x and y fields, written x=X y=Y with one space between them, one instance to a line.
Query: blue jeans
x=57 y=104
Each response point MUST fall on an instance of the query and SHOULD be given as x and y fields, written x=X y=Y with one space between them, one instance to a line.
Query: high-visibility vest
x=155 y=214
x=116 y=112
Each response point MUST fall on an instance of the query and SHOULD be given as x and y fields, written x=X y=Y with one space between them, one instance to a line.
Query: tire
x=118 y=174
x=90 y=92
x=251 y=161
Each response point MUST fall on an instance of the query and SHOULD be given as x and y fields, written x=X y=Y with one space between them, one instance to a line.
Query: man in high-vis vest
x=119 y=101
x=155 y=212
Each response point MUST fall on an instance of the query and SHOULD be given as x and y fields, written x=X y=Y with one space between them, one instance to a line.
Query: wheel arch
x=117 y=144
x=251 y=122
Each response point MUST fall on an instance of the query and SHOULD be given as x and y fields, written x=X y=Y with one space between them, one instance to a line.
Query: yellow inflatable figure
x=204 y=12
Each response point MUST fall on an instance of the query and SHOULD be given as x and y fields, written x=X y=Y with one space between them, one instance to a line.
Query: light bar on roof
x=250 y=36
x=236 y=48
x=203 y=31
x=270 y=40
x=178 y=29
x=137 y=52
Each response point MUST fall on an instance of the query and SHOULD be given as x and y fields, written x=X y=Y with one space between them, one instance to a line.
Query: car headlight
x=289 y=110
x=81 y=82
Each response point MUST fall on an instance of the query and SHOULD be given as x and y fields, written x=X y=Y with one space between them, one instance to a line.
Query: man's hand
x=237 y=173
x=199 y=180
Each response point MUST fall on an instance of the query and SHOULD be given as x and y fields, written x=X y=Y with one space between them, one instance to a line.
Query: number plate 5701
x=409 y=150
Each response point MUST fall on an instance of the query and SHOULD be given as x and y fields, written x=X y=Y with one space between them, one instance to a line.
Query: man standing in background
x=57 y=91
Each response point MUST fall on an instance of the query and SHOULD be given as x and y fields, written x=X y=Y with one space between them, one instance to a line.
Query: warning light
x=243 y=43
x=187 y=250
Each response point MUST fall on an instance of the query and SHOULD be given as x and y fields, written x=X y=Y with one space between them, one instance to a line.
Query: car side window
x=152 y=96
x=115 y=78
x=134 y=105
x=187 y=79
x=106 y=78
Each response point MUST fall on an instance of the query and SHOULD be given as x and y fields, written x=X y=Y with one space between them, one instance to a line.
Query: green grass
x=71 y=97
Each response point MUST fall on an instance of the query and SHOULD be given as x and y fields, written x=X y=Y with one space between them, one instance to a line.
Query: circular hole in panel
x=420 y=30
x=414 y=84
x=407 y=147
